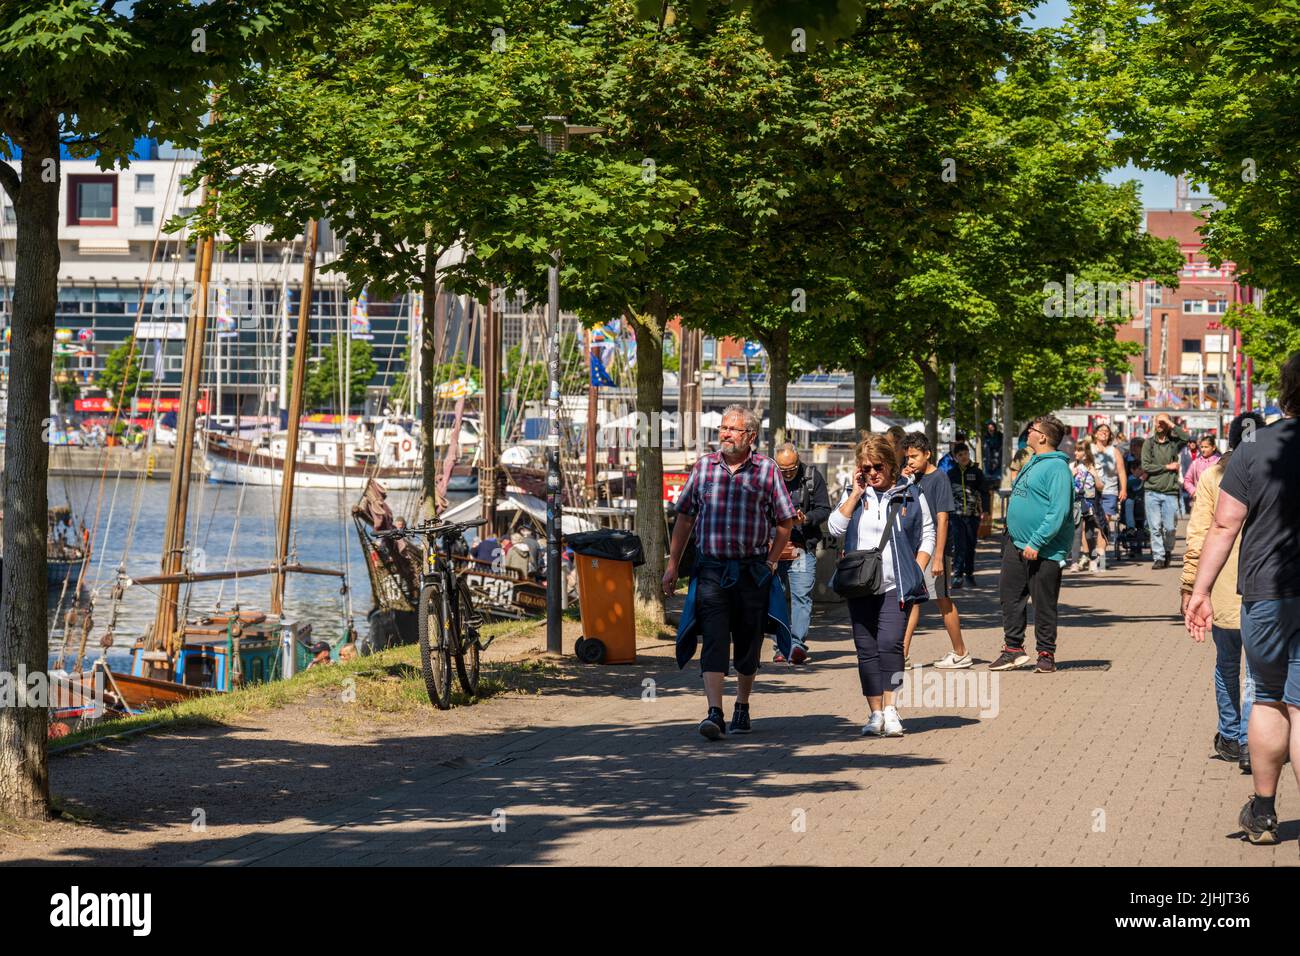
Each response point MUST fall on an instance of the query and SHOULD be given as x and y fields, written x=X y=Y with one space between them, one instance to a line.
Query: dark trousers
x=965 y=535
x=1023 y=580
x=878 y=626
x=731 y=616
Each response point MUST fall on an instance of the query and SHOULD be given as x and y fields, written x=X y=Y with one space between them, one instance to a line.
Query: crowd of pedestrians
x=904 y=530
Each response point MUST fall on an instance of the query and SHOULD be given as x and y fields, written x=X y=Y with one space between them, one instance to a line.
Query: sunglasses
x=874 y=467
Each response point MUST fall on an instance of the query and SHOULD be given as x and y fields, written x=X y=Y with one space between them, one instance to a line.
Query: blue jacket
x=778 y=615
x=904 y=540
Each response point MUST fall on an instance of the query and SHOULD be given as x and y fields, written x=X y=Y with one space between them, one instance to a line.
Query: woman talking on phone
x=883 y=512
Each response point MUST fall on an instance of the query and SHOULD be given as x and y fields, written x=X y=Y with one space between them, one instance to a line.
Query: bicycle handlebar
x=432 y=529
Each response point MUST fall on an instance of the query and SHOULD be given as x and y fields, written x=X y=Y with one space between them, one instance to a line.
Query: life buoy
x=406 y=444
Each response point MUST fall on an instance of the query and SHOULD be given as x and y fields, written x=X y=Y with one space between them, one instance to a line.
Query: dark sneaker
x=1010 y=658
x=779 y=658
x=1260 y=829
x=970 y=581
x=1225 y=749
x=1159 y=564
x=798 y=654
x=957 y=584
x=740 y=721
x=1244 y=760
x=1046 y=663
x=714 y=726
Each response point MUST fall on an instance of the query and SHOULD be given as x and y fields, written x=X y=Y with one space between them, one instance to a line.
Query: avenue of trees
x=885 y=186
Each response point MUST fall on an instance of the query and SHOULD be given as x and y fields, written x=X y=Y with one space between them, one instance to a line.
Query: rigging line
x=172 y=181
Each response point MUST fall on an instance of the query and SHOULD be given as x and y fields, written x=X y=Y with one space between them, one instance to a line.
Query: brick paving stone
x=616 y=782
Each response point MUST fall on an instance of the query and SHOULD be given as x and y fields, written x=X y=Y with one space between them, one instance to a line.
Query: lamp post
x=553 y=135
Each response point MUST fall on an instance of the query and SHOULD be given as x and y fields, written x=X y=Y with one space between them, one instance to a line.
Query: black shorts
x=731 y=619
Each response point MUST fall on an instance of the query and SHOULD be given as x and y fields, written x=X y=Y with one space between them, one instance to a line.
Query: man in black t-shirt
x=1259 y=497
x=933 y=482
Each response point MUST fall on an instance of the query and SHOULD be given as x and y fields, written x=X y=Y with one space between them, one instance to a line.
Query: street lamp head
x=554 y=133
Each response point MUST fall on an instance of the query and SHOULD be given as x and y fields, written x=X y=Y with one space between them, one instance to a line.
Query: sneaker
x=740 y=720
x=1011 y=657
x=1226 y=749
x=779 y=658
x=875 y=724
x=970 y=581
x=1046 y=663
x=1159 y=564
x=952 y=661
x=893 y=727
x=1243 y=761
x=1260 y=829
x=957 y=584
x=714 y=727
x=798 y=654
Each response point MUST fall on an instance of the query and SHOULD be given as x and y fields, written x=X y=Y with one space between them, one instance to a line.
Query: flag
x=599 y=377
x=361 y=316
x=225 y=321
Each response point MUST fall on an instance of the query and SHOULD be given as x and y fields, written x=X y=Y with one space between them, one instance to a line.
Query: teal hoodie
x=1038 y=514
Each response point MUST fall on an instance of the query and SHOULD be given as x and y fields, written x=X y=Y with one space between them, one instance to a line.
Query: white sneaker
x=951 y=662
x=875 y=725
x=893 y=726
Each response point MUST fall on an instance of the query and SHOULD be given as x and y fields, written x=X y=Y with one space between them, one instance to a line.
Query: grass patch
x=389 y=682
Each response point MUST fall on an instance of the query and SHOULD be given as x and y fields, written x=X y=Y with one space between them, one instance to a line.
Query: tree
x=1211 y=93
x=324 y=379
x=123 y=374
x=392 y=128
x=84 y=75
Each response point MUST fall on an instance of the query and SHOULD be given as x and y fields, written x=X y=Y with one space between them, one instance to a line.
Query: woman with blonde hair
x=883 y=510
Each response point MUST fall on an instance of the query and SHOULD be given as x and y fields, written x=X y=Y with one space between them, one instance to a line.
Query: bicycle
x=448 y=623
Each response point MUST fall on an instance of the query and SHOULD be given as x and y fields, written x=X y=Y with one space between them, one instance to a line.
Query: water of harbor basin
x=233 y=533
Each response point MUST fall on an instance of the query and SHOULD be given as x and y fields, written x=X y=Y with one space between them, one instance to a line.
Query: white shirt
x=1107 y=460
x=871 y=524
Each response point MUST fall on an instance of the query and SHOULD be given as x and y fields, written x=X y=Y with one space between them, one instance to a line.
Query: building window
x=92 y=200
x=144 y=215
x=1194 y=306
x=144 y=182
x=1191 y=345
x=185 y=212
x=11 y=215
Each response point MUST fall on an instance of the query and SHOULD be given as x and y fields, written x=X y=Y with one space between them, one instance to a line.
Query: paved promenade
x=1105 y=762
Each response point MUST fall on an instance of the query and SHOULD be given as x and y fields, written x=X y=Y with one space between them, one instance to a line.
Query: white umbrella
x=849 y=423
x=794 y=423
x=711 y=420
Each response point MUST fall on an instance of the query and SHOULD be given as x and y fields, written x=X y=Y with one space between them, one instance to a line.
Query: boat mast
x=592 y=412
x=165 y=628
x=490 y=431
x=295 y=412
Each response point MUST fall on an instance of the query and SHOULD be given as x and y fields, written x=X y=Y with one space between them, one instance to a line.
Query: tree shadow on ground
x=553 y=786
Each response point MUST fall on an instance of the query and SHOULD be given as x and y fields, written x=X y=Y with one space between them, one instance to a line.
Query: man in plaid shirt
x=737 y=499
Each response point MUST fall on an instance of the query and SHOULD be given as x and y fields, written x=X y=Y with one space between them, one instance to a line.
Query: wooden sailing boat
x=222 y=651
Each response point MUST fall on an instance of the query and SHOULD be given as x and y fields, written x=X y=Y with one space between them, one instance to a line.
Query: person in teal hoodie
x=1039 y=528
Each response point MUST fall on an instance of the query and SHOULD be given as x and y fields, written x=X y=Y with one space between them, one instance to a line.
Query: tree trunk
x=778 y=381
x=1009 y=430
x=24 y=638
x=863 y=374
x=930 y=380
x=428 y=332
x=650 y=523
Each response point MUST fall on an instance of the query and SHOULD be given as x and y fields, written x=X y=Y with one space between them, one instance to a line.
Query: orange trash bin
x=606 y=598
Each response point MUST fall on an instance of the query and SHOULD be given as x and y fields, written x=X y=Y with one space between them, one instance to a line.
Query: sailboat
x=221 y=651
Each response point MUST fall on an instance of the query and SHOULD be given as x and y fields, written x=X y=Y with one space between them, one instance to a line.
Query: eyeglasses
x=874 y=467
x=731 y=428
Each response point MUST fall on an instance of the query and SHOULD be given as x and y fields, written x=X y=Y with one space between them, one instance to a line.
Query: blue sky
x=1157 y=188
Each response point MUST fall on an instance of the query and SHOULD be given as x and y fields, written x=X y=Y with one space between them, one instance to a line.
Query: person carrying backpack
x=798 y=567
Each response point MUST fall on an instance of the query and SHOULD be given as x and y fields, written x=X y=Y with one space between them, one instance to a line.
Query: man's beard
x=734 y=448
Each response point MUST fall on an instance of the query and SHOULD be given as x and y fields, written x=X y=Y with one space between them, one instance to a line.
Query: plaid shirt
x=735 y=513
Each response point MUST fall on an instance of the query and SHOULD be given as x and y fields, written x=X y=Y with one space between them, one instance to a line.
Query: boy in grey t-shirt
x=934 y=484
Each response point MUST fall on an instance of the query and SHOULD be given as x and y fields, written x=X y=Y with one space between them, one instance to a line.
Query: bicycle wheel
x=467 y=646
x=435 y=653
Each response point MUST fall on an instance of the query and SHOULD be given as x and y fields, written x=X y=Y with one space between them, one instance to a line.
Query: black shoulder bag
x=859 y=573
